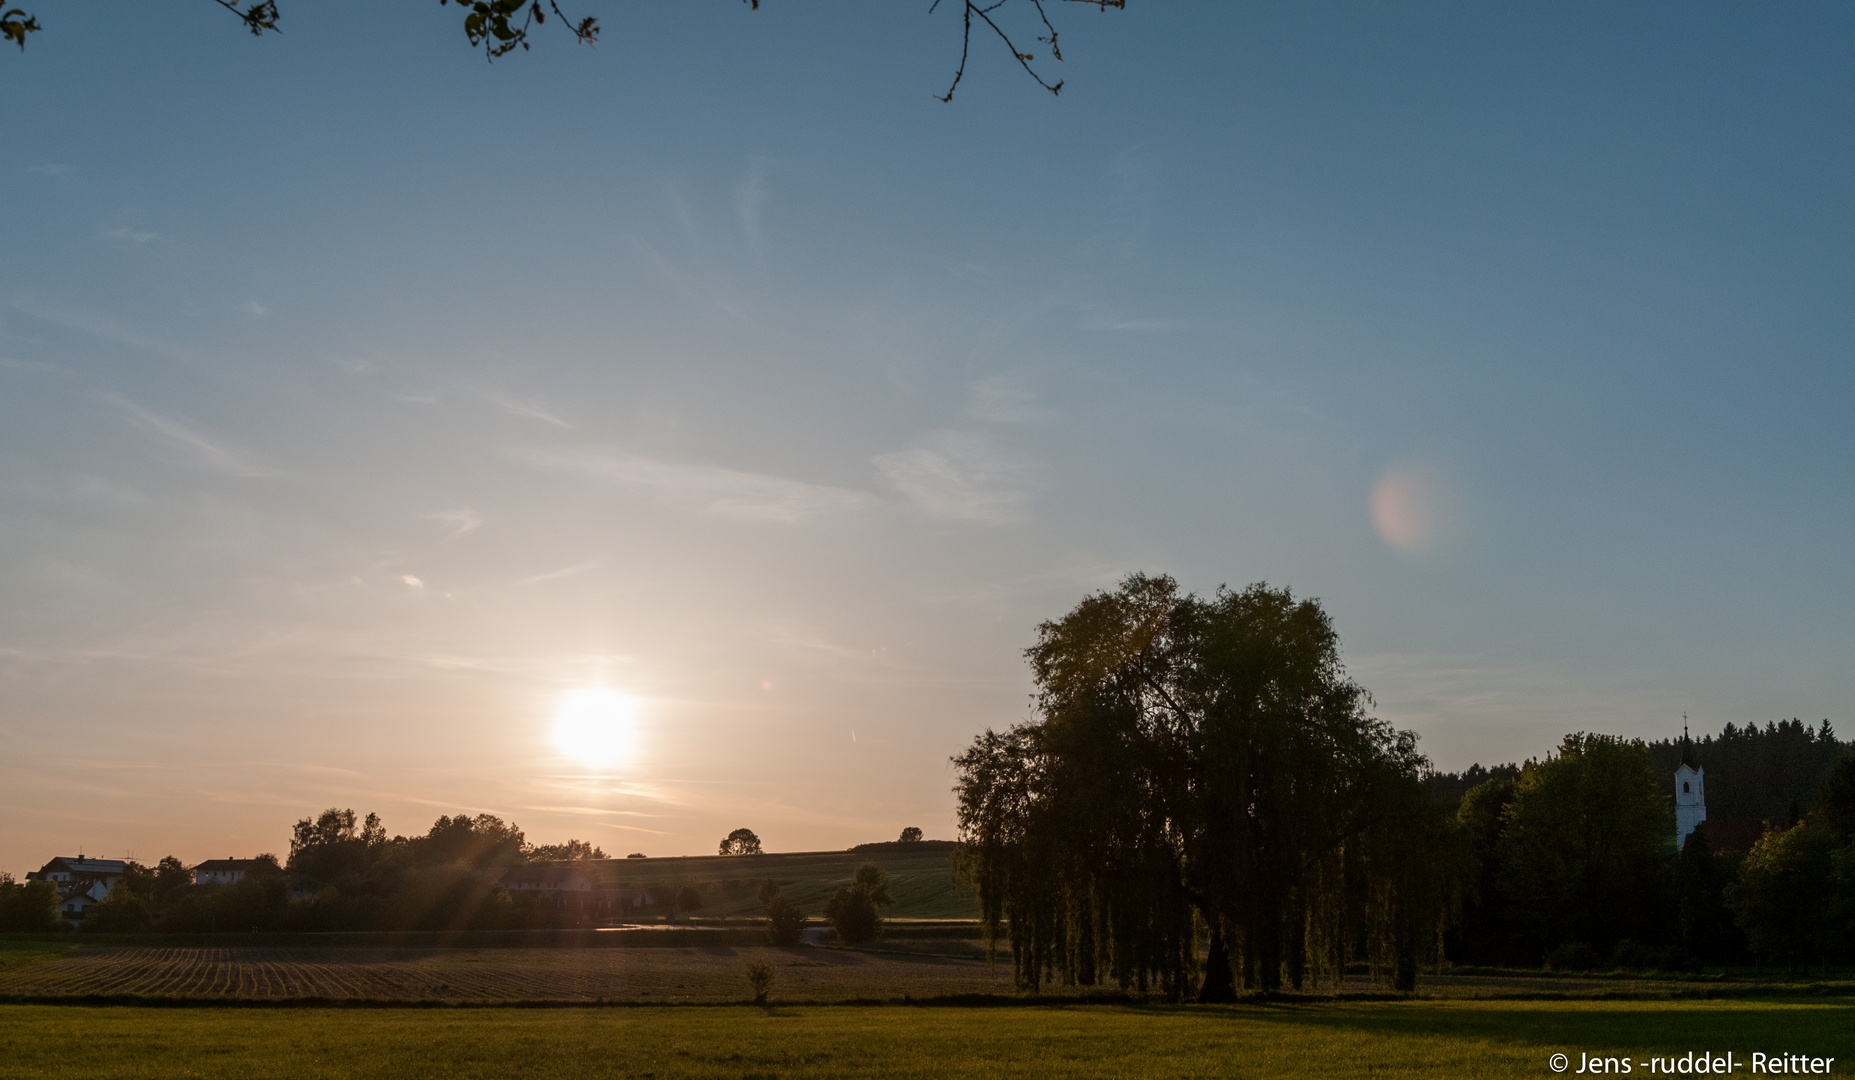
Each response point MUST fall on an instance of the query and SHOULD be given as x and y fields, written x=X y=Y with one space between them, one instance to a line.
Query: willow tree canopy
x=1199 y=764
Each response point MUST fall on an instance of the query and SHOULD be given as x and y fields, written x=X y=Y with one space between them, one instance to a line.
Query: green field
x=921 y=882
x=1427 y=1039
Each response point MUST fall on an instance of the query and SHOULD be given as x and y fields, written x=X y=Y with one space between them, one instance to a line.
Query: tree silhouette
x=740 y=842
x=1200 y=759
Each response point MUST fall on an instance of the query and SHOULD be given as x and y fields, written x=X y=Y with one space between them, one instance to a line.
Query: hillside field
x=1480 y=1040
x=920 y=881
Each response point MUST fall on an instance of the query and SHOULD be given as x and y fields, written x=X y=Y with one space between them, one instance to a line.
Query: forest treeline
x=1571 y=860
x=342 y=873
x=1201 y=778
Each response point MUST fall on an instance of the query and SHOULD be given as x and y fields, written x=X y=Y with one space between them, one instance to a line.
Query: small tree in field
x=760 y=979
x=688 y=899
x=785 y=922
x=855 y=911
x=740 y=842
x=911 y=835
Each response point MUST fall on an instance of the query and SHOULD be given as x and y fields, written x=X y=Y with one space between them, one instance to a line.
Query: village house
x=80 y=882
x=570 y=887
x=222 y=871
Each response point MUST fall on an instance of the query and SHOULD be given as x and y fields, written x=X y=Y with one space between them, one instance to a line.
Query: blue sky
x=360 y=401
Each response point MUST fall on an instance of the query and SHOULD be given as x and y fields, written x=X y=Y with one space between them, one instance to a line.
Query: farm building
x=569 y=886
x=222 y=871
x=80 y=882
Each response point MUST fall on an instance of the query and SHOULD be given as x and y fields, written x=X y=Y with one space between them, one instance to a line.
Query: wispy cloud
x=563 y=572
x=133 y=236
x=532 y=410
x=101 y=326
x=211 y=454
x=1121 y=325
x=750 y=197
x=714 y=490
x=1003 y=399
x=960 y=476
x=693 y=288
x=255 y=309
x=457 y=522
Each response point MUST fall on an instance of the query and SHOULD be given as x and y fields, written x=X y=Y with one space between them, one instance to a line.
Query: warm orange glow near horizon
x=597 y=727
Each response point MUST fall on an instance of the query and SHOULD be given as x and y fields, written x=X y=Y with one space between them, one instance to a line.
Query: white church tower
x=1690 y=793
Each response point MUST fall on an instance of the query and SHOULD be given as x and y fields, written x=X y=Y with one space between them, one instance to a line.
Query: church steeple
x=1690 y=789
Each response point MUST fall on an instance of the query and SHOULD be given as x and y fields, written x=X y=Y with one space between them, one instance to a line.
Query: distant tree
x=329 y=846
x=855 y=910
x=1782 y=899
x=29 y=907
x=688 y=899
x=124 y=911
x=571 y=851
x=759 y=976
x=1587 y=849
x=1836 y=805
x=874 y=880
x=741 y=842
x=1481 y=931
x=483 y=841
x=785 y=921
x=635 y=855
x=171 y=875
x=911 y=835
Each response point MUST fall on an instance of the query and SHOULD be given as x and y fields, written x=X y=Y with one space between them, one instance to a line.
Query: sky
x=364 y=405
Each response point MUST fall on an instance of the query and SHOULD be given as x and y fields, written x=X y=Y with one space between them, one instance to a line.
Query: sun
x=596 y=727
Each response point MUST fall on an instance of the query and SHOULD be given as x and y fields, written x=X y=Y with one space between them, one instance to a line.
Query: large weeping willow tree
x=1200 y=764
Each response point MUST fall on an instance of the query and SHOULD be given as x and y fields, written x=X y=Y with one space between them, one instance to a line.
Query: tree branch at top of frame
x=499 y=27
x=984 y=10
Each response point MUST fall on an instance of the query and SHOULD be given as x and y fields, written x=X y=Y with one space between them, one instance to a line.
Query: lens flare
x=596 y=727
x=1413 y=511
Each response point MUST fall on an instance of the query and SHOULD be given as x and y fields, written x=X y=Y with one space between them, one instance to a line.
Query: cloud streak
x=959 y=476
x=209 y=453
x=530 y=410
x=457 y=522
x=721 y=492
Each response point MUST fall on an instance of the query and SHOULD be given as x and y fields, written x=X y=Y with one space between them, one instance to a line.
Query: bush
x=121 y=912
x=854 y=911
x=785 y=922
x=760 y=979
x=28 y=907
x=1573 y=956
x=1632 y=955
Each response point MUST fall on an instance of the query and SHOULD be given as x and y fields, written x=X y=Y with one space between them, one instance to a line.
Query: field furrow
x=642 y=974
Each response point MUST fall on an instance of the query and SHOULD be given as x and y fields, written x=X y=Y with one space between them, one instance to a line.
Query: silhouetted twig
x=984 y=12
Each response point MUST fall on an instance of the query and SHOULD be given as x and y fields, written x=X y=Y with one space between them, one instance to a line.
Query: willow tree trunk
x=1217 y=982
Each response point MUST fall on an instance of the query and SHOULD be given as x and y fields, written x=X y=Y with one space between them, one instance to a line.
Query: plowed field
x=658 y=974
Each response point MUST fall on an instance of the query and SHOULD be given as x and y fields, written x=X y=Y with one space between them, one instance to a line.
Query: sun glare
x=596 y=727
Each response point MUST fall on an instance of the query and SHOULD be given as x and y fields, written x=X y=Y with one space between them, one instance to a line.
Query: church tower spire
x=1690 y=790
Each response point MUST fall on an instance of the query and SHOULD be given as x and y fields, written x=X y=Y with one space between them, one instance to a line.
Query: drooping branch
x=490 y=24
x=984 y=12
x=262 y=15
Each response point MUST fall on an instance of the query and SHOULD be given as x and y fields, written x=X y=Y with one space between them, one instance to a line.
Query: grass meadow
x=1479 y=1039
